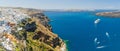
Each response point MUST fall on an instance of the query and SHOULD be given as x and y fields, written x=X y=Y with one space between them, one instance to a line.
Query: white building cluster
x=7 y=16
x=10 y=15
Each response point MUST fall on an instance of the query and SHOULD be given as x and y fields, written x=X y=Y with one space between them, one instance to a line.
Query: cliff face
x=27 y=30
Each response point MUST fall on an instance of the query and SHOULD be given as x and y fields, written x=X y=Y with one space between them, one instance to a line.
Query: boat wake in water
x=99 y=47
x=97 y=44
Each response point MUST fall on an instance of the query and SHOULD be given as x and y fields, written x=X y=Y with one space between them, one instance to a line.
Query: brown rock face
x=38 y=33
x=33 y=33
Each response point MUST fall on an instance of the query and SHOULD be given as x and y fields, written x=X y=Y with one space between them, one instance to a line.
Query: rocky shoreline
x=27 y=29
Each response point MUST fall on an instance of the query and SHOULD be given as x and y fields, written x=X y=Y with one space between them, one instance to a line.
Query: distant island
x=114 y=14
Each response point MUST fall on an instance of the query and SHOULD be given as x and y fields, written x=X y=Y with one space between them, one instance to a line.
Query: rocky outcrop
x=39 y=14
x=43 y=19
x=27 y=30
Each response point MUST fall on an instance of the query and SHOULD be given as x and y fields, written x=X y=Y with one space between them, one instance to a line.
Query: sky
x=62 y=4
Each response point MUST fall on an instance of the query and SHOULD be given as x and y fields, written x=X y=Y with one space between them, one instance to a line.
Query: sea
x=81 y=33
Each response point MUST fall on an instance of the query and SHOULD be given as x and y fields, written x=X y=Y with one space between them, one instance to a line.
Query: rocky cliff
x=27 y=30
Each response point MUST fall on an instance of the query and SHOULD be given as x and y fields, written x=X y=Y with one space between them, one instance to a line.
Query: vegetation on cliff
x=33 y=33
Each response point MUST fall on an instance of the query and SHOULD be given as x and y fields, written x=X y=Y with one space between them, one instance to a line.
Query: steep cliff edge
x=27 y=30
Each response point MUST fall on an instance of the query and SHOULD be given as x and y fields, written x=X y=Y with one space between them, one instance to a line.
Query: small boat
x=107 y=34
x=97 y=21
x=96 y=41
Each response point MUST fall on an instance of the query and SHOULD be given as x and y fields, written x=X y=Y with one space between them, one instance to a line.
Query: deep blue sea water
x=80 y=31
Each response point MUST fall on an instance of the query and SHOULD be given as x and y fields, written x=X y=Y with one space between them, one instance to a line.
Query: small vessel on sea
x=107 y=34
x=96 y=41
x=96 y=21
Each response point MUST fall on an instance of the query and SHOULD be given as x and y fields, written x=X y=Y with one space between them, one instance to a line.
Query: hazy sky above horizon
x=63 y=4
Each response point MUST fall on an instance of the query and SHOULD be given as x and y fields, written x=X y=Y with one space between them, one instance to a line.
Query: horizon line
x=61 y=8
